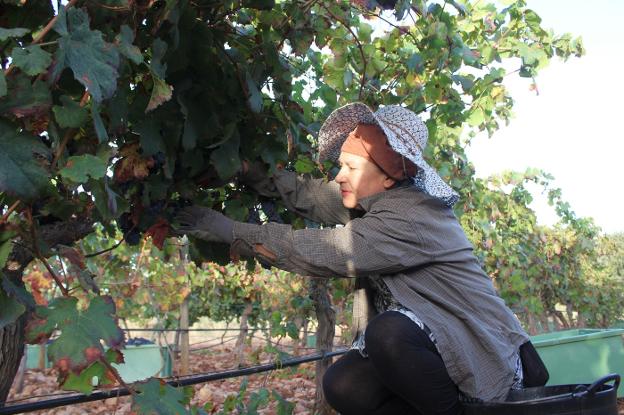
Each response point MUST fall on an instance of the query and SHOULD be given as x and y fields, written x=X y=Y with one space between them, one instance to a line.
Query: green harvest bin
x=581 y=355
x=32 y=356
x=140 y=362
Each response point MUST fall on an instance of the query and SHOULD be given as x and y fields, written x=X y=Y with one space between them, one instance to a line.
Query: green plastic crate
x=581 y=355
x=141 y=362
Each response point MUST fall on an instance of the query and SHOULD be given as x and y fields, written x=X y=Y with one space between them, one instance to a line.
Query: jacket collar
x=367 y=203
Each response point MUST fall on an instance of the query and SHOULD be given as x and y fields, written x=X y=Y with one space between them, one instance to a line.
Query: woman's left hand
x=204 y=223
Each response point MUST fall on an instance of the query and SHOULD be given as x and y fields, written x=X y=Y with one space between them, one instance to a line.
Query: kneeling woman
x=431 y=327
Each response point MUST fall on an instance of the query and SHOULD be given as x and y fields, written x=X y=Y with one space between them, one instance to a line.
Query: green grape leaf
x=82 y=331
x=259 y=4
x=159 y=48
x=124 y=42
x=6 y=245
x=98 y=124
x=225 y=158
x=3 y=84
x=32 y=59
x=93 y=61
x=19 y=293
x=10 y=309
x=156 y=397
x=71 y=114
x=79 y=168
x=255 y=96
x=25 y=99
x=14 y=32
x=23 y=172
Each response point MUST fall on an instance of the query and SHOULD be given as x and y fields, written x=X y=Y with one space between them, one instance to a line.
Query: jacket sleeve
x=314 y=199
x=364 y=246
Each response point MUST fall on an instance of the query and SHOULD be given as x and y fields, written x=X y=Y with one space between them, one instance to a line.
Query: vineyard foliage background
x=115 y=113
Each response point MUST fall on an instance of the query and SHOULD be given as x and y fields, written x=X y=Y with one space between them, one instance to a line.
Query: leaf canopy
x=23 y=171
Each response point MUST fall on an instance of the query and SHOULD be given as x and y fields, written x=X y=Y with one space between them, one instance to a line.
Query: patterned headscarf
x=406 y=134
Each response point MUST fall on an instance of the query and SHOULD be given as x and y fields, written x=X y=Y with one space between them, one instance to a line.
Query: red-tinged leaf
x=82 y=331
x=158 y=232
x=132 y=166
x=84 y=381
x=161 y=92
x=156 y=397
x=39 y=284
x=36 y=332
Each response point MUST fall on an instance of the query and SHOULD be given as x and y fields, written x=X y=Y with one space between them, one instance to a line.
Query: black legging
x=403 y=374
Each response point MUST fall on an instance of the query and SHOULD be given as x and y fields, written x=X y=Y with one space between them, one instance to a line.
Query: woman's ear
x=389 y=182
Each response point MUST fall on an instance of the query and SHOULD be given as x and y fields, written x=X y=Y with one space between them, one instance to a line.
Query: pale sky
x=573 y=128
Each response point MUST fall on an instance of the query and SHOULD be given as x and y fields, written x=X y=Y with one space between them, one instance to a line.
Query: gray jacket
x=415 y=243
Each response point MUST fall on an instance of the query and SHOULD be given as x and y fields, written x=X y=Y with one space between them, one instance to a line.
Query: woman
x=430 y=326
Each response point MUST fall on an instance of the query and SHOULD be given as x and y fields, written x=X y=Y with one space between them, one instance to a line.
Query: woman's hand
x=204 y=223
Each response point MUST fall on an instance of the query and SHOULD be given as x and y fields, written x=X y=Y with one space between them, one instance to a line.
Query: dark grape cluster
x=156 y=207
x=254 y=216
x=132 y=236
x=270 y=210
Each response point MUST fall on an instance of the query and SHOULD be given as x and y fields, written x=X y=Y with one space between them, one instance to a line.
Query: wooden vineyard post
x=184 y=338
x=42 y=356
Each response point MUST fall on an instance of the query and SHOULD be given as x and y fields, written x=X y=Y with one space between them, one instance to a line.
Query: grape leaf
x=124 y=42
x=25 y=99
x=79 y=168
x=93 y=61
x=17 y=292
x=161 y=92
x=225 y=158
x=158 y=232
x=21 y=171
x=3 y=84
x=83 y=382
x=32 y=59
x=79 y=343
x=14 y=32
x=6 y=245
x=10 y=309
x=71 y=114
x=156 y=397
x=98 y=124
x=159 y=48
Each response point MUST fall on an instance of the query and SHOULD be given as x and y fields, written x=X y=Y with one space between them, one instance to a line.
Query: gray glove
x=205 y=223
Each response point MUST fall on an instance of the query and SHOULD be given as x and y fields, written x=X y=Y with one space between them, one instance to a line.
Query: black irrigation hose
x=181 y=330
x=186 y=381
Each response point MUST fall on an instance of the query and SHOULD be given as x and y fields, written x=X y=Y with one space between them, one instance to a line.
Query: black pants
x=403 y=374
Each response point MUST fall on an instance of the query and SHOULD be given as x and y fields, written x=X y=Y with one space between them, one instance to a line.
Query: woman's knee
x=336 y=388
x=385 y=332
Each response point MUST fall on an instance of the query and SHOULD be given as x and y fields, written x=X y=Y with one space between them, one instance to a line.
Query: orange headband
x=370 y=142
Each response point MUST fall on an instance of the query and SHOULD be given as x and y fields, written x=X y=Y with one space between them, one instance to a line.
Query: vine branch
x=40 y=257
x=105 y=250
x=5 y=217
x=359 y=45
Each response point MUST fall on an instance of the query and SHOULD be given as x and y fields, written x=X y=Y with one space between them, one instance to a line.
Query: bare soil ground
x=295 y=385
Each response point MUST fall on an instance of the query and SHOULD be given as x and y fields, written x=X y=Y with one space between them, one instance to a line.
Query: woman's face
x=359 y=178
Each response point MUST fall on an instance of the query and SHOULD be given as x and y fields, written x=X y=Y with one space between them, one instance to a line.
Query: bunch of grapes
x=132 y=236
